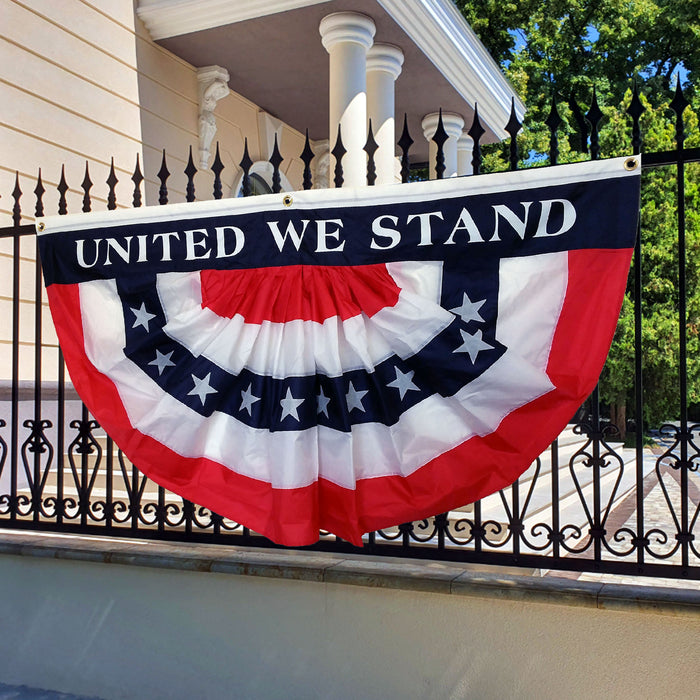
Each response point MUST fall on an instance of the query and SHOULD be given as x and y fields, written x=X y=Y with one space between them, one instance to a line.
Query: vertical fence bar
x=593 y=117
x=276 y=160
x=678 y=105
x=635 y=110
x=14 y=420
x=217 y=167
x=405 y=143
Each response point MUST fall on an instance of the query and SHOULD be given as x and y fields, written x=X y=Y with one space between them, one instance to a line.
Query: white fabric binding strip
x=342 y=197
x=289 y=459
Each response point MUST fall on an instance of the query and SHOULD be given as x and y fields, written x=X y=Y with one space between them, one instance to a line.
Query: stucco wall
x=120 y=631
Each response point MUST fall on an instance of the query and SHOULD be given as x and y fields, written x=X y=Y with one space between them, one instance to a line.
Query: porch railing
x=585 y=505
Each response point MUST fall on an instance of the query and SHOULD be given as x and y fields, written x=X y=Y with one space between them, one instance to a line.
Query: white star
x=247 y=400
x=403 y=382
x=354 y=398
x=162 y=361
x=322 y=402
x=469 y=310
x=289 y=405
x=202 y=388
x=142 y=317
x=472 y=344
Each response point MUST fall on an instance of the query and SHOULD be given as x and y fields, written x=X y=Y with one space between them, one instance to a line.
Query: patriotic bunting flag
x=345 y=360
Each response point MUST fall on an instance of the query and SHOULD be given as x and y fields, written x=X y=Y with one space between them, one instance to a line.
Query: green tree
x=565 y=50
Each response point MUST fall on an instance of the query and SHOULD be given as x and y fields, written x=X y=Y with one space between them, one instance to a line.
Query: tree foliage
x=566 y=50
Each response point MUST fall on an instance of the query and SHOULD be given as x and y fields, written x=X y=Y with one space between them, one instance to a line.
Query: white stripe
x=294 y=459
x=303 y=348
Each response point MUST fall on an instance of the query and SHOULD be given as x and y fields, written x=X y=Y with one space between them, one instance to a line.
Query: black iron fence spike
x=439 y=139
x=338 y=152
x=476 y=131
x=553 y=122
x=678 y=105
x=39 y=192
x=513 y=127
x=16 y=195
x=246 y=164
x=276 y=160
x=112 y=184
x=370 y=149
x=635 y=110
x=405 y=143
x=137 y=179
x=593 y=117
x=581 y=123
x=62 y=188
x=307 y=155
x=163 y=175
x=190 y=171
x=217 y=166
x=86 y=186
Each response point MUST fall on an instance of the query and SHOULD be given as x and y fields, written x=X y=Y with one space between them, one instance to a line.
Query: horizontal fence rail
x=584 y=505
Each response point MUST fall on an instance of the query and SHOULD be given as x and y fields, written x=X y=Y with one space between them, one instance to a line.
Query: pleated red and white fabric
x=345 y=360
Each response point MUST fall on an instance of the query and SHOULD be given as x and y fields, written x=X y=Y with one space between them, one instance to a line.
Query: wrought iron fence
x=584 y=505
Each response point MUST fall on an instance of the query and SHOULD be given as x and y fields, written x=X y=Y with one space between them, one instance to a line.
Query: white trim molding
x=168 y=18
x=444 y=36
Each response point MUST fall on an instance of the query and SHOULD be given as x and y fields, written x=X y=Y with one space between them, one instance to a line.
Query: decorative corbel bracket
x=213 y=86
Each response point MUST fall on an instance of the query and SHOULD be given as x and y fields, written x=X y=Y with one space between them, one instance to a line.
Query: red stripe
x=304 y=292
x=474 y=469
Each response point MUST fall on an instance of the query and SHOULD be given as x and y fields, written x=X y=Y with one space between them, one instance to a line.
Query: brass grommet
x=40 y=226
x=287 y=200
x=631 y=164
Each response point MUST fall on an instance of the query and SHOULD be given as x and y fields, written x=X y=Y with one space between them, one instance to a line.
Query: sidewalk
x=22 y=692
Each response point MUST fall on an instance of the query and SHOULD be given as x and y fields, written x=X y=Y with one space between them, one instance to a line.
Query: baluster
x=307 y=156
x=476 y=131
x=405 y=143
x=338 y=152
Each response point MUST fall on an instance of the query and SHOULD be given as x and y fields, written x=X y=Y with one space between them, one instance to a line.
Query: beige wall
x=81 y=80
x=119 y=632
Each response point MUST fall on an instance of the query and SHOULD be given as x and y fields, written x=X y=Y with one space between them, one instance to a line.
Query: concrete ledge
x=371 y=572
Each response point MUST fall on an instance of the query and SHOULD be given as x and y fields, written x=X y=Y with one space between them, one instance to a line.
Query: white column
x=347 y=36
x=465 y=154
x=453 y=125
x=384 y=63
